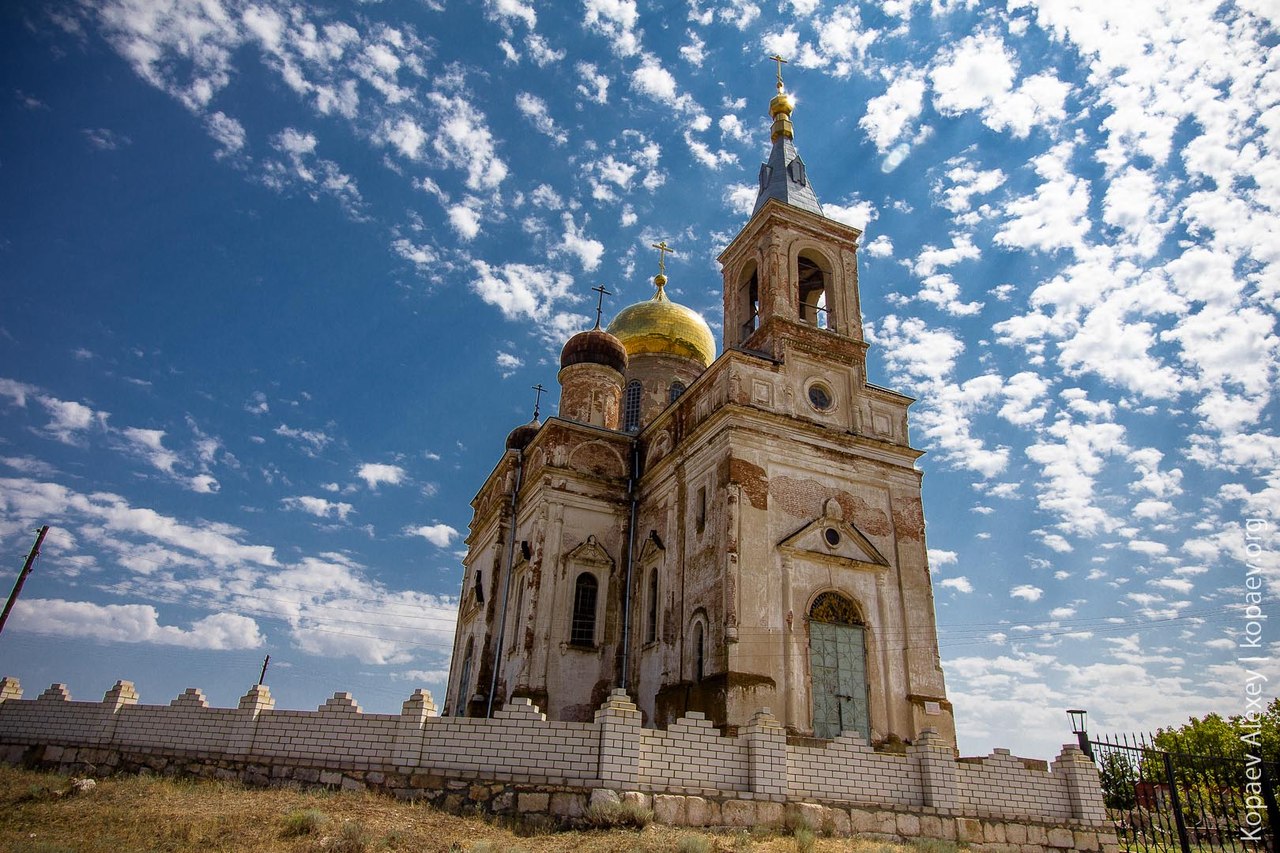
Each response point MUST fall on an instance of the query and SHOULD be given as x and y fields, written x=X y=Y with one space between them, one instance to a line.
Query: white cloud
x=508 y=364
x=1026 y=592
x=959 y=584
x=574 y=242
x=226 y=131
x=132 y=623
x=464 y=219
x=939 y=558
x=592 y=85
x=535 y=110
x=440 y=535
x=694 y=50
x=310 y=441
x=68 y=420
x=890 y=117
x=616 y=20
x=319 y=507
x=857 y=214
x=376 y=473
x=149 y=443
x=521 y=291
x=654 y=81
x=1056 y=215
x=465 y=138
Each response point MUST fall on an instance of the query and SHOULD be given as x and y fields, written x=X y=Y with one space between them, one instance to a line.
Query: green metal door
x=838 y=662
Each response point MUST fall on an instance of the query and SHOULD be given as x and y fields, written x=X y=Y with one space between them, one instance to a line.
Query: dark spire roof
x=784 y=177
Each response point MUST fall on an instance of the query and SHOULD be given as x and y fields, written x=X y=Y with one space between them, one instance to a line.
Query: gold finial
x=780 y=107
x=661 y=278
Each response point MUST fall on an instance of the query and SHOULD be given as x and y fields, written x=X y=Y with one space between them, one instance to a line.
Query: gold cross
x=663 y=248
x=778 y=59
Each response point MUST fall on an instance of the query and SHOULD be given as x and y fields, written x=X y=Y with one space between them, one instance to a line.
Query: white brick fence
x=519 y=761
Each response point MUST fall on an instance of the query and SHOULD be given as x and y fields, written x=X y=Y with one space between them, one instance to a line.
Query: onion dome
x=594 y=346
x=662 y=327
x=519 y=438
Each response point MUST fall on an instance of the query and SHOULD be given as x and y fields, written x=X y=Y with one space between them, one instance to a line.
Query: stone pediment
x=591 y=553
x=832 y=539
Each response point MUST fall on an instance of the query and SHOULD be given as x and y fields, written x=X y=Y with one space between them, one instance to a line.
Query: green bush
x=305 y=822
x=804 y=839
x=352 y=838
x=694 y=844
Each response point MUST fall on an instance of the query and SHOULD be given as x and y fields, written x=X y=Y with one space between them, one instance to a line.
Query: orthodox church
x=715 y=533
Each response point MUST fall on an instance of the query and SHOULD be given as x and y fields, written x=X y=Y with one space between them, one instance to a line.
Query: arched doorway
x=838 y=666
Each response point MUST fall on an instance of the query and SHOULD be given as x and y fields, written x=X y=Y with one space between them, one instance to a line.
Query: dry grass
x=137 y=813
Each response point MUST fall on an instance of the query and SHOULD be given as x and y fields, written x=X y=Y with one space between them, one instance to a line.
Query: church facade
x=715 y=534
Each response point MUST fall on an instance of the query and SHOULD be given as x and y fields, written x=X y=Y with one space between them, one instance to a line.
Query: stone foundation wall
x=519 y=763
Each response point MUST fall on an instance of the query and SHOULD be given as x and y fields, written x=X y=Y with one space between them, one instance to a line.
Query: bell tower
x=791 y=274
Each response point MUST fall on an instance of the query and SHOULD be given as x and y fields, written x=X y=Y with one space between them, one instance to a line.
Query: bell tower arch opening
x=814 y=297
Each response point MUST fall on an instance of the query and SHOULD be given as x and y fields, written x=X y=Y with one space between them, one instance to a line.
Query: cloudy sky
x=277 y=280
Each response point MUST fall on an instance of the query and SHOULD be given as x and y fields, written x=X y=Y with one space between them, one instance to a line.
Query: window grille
x=631 y=406
x=464 y=682
x=651 y=627
x=582 y=632
x=699 y=653
x=834 y=607
x=677 y=388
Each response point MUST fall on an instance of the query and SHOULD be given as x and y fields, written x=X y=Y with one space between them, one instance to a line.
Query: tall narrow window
x=631 y=406
x=582 y=632
x=749 y=299
x=464 y=682
x=701 y=517
x=677 y=388
x=699 y=653
x=651 y=626
x=516 y=636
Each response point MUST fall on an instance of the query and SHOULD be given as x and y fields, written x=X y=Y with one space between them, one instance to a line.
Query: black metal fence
x=1167 y=800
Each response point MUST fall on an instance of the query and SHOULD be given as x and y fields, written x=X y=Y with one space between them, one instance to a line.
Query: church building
x=715 y=533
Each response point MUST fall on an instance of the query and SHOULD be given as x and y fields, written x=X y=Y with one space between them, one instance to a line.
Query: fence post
x=766 y=756
x=619 y=721
x=939 y=775
x=1176 y=801
x=1084 y=787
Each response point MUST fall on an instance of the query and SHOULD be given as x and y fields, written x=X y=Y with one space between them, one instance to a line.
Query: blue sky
x=277 y=280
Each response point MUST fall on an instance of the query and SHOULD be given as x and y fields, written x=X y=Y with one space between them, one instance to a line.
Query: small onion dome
x=595 y=347
x=662 y=327
x=519 y=438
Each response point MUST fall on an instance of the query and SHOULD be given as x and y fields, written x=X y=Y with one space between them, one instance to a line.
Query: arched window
x=651 y=623
x=464 y=682
x=677 y=388
x=699 y=652
x=834 y=608
x=582 y=631
x=814 y=304
x=631 y=406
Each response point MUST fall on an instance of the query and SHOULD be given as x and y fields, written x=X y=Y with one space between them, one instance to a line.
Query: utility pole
x=22 y=576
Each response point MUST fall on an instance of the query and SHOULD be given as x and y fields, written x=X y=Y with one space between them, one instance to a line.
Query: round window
x=820 y=396
x=832 y=536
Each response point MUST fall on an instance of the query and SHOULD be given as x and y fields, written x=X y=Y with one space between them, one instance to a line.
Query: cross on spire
x=663 y=249
x=600 y=301
x=778 y=59
x=537 y=400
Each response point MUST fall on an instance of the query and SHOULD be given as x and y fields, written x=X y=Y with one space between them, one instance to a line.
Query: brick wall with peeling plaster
x=519 y=762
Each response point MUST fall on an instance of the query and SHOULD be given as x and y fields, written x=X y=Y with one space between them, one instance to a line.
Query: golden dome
x=662 y=327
